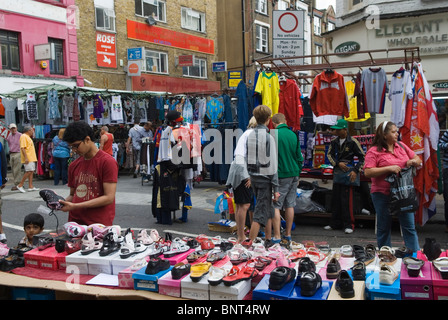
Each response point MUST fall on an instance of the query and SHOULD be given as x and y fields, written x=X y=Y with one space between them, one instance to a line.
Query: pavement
x=133 y=209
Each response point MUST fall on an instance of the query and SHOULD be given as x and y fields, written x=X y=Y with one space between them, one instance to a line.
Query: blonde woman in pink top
x=387 y=156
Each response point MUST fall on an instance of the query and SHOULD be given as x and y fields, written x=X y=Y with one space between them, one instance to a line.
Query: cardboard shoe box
x=417 y=288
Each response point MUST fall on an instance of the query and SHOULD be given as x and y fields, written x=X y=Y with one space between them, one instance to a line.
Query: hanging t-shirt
x=98 y=107
x=214 y=109
x=374 y=88
x=116 y=112
x=268 y=87
x=399 y=93
x=353 y=104
x=31 y=106
x=165 y=143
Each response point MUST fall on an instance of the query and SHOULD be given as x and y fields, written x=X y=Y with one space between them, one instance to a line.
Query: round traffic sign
x=288 y=22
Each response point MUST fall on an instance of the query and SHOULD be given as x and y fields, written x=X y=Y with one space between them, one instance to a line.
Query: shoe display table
x=65 y=289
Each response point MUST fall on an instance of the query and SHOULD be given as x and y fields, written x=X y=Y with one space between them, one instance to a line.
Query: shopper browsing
x=261 y=159
x=28 y=158
x=134 y=143
x=290 y=162
x=106 y=140
x=92 y=179
x=239 y=180
x=387 y=156
x=15 y=160
x=3 y=180
x=61 y=154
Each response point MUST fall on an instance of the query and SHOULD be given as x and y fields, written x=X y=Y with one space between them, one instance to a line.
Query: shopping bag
x=403 y=197
x=343 y=177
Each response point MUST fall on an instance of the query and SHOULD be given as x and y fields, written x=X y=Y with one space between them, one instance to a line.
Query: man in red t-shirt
x=92 y=179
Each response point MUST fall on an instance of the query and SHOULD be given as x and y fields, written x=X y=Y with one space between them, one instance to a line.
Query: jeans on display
x=60 y=170
x=384 y=222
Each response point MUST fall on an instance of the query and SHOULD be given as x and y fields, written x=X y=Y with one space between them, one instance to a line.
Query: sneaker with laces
x=21 y=189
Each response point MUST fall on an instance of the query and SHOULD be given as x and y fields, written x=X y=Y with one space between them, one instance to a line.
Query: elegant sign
x=153 y=34
x=431 y=35
x=106 y=55
x=348 y=47
x=441 y=85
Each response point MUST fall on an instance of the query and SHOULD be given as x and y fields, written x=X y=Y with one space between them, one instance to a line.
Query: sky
x=323 y=4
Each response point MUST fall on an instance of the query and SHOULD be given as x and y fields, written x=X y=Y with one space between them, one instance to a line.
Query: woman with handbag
x=385 y=157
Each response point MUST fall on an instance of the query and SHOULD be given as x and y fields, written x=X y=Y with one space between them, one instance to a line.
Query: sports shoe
x=328 y=228
x=21 y=189
x=348 y=230
x=33 y=189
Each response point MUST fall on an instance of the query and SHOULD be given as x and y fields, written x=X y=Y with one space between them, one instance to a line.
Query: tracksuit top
x=328 y=96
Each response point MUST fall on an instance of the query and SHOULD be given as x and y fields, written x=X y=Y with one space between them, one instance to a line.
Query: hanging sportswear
x=268 y=87
x=328 y=96
x=374 y=87
x=399 y=93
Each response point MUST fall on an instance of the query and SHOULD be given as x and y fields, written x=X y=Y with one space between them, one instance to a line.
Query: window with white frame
x=317 y=26
x=261 y=6
x=155 y=61
x=331 y=26
x=262 y=38
x=198 y=70
x=154 y=8
x=192 y=19
x=105 y=19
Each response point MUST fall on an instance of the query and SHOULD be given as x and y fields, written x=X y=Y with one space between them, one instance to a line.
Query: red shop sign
x=106 y=55
x=166 y=37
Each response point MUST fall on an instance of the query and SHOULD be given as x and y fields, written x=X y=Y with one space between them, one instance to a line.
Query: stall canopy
x=42 y=90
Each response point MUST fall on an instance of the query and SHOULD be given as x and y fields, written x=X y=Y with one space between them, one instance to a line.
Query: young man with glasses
x=92 y=179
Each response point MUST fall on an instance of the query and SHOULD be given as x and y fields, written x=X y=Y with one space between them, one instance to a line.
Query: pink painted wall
x=33 y=31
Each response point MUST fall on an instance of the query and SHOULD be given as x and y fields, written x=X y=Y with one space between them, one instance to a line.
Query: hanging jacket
x=328 y=96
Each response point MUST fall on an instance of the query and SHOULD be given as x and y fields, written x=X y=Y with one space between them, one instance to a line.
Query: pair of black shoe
x=344 y=285
x=309 y=282
x=11 y=262
x=280 y=276
x=156 y=265
x=306 y=264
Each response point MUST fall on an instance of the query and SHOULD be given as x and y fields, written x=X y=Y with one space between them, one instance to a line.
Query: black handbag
x=403 y=197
